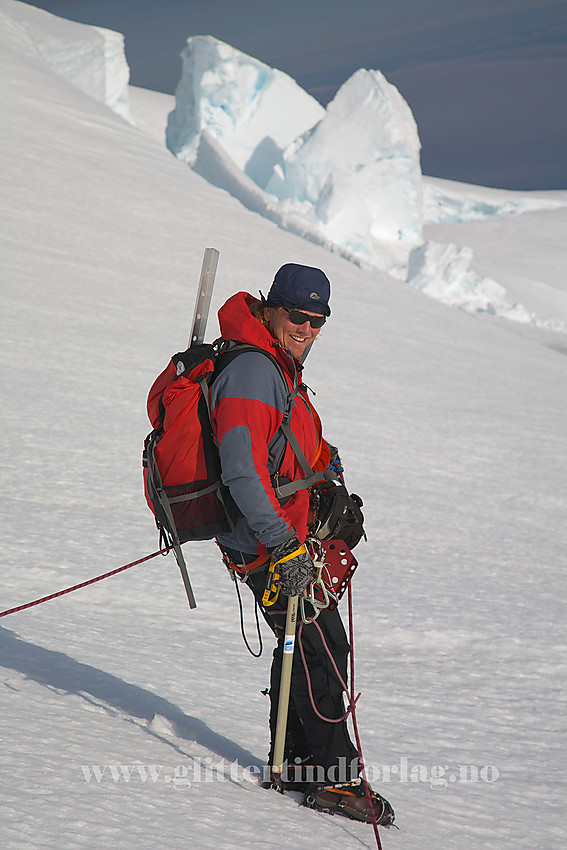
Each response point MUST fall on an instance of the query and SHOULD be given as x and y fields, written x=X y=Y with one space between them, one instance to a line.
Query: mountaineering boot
x=348 y=799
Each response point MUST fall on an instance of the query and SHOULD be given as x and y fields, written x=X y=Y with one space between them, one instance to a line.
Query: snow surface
x=347 y=177
x=150 y=111
x=451 y=426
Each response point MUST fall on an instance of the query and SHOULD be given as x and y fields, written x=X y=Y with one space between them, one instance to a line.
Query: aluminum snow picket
x=200 y=317
x=203 y=302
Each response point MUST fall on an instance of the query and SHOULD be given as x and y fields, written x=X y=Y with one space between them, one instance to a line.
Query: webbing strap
x=156 y=484
x=210 y=489
x=204 y=384
x=283 y=491
x=292 y=440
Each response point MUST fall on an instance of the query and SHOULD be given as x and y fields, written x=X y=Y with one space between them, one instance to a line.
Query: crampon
x=349 y=800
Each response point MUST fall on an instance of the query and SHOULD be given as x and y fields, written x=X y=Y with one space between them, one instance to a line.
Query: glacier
x=90 y=58
x=347 y=177
x=452 y=428
x=350 y=172
x=252 y=110
x=451 y=202
x=358 y=169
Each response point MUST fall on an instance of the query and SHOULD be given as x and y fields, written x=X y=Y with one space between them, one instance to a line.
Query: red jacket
x=247 y=404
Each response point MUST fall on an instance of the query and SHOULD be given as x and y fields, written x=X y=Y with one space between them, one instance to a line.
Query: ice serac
x=443 y=271
x=358 y=170
x=116 y=74
x=253 y=111
x=348 y=177
x=446 y=201
x=91 y=58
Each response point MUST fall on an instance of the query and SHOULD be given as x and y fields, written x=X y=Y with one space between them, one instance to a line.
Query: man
x=250 y=399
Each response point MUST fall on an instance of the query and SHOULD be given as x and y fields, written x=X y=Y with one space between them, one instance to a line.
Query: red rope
x=308 y=677
x=354 y=722
x=82 y=584
x=351 y=701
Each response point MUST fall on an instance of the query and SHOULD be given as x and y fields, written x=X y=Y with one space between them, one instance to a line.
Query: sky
x=486 y=79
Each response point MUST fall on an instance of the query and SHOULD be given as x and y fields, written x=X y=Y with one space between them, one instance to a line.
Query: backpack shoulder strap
x=229 y=349
x=226 y=355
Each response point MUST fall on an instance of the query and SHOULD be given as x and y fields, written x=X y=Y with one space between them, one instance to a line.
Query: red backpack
x=182 y=477
x=182 y=474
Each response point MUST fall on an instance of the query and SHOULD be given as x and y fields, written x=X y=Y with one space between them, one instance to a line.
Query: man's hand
x=294 y=566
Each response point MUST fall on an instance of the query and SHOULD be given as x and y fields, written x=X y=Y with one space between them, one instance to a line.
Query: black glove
x=297 y=571
x=337 y=515
x=335 y=463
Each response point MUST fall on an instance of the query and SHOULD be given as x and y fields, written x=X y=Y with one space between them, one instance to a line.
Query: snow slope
x=451 y=426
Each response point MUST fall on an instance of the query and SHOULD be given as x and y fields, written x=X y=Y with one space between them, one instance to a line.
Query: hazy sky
x=486 y=79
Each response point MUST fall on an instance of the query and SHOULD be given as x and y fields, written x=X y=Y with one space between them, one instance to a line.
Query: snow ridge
x=90 y=58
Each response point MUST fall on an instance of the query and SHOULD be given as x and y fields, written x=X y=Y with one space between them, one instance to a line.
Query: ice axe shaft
x=285 y=686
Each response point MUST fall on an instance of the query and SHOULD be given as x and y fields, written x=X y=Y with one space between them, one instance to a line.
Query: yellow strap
x=272 y=590
x=299 y=551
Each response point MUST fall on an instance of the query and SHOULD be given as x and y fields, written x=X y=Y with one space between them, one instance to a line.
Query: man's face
x=294 y=337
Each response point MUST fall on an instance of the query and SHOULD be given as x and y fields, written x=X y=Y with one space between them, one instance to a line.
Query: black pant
x=325 y=744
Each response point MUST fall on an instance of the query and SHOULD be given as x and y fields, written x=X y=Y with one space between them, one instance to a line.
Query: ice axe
x=285 y=686
x=341 y=562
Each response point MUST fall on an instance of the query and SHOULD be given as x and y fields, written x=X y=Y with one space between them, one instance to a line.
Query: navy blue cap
x=300 y=287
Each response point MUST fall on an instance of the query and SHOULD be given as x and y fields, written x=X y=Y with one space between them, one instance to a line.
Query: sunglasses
x=299 y=318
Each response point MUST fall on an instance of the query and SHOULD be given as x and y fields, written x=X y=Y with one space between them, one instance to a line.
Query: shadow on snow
x=57 y=670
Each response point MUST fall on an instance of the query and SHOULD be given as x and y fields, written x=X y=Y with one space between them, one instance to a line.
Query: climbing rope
x=82 y=584
x=351 y=699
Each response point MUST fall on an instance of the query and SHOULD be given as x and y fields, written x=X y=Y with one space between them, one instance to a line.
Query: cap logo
x=315 y=296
